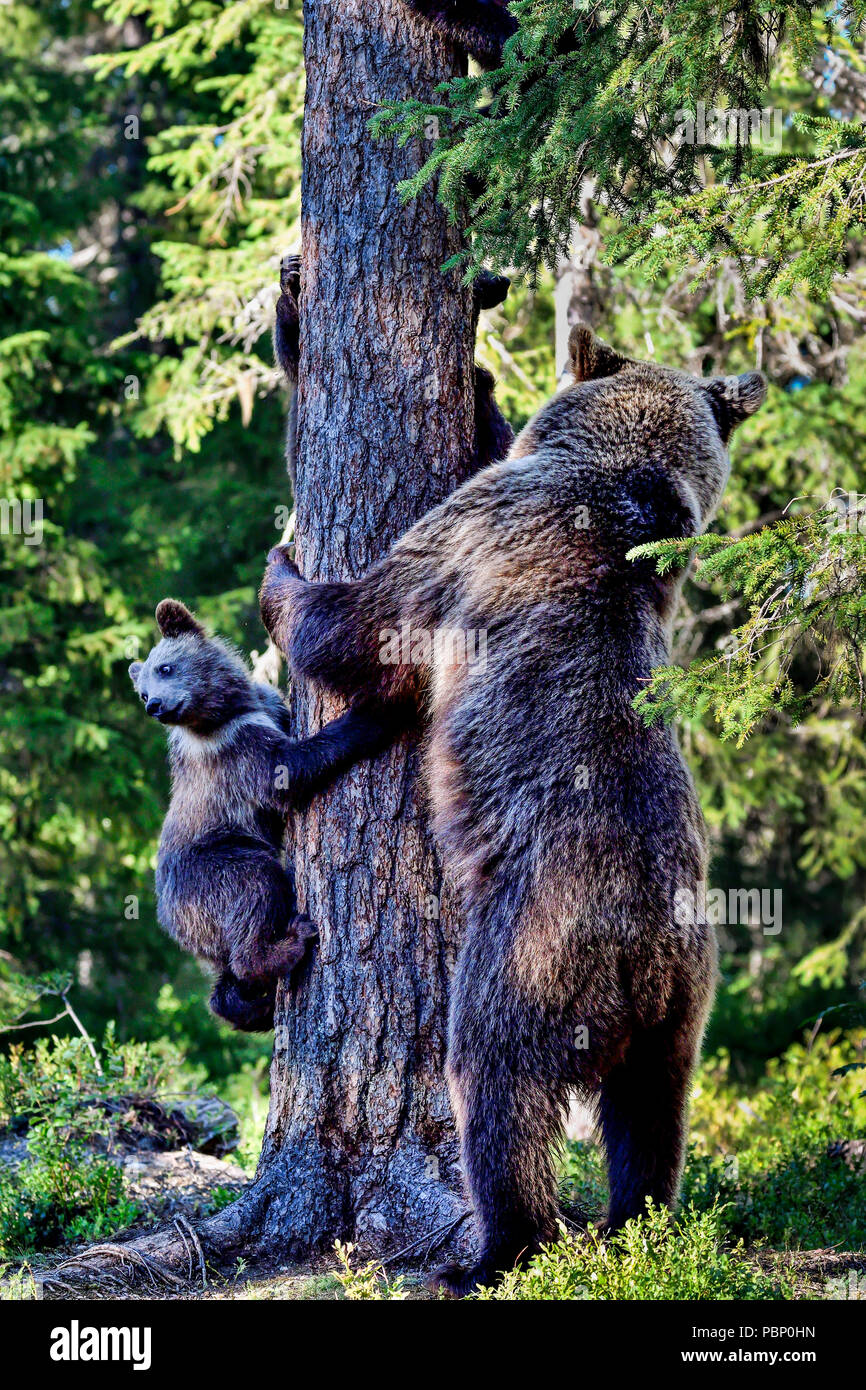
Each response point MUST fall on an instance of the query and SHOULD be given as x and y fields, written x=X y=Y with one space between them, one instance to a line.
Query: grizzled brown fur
x=223 y=892
x=569 y=825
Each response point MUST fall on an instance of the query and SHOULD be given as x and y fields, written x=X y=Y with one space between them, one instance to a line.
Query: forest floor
x=816 y=1275
x=184 y=1186
x=175 y=1189
x=813 y=1272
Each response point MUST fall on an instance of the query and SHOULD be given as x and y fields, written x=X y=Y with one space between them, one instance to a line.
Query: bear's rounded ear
x=589 y=358
x=174 y=619
x=734 y=397
x=135 y=671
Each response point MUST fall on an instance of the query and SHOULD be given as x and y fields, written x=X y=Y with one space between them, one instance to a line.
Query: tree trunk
x=576 y=295
x=360 y=1142
x=577 y=299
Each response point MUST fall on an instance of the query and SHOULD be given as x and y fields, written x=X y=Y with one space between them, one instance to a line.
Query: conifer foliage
x=663 y=106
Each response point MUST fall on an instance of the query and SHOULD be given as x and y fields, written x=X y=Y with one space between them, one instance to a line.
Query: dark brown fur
x=481 y=27
x=223 y=892
x=569 y=825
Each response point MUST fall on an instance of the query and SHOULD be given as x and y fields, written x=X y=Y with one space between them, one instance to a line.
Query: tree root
x=173 y=1259
x=173 y=1262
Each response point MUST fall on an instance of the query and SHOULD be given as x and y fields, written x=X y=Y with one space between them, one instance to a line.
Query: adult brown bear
x=572 y=828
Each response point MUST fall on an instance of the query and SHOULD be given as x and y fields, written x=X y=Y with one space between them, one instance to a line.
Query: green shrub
x=655 y=1258
x=368 y=1282
x=775 y=1157
x=57 y=1080
x=72 y=1107
x=60 y=1194
x=583 y=1180
x=651 y=1259
x=219 y=1199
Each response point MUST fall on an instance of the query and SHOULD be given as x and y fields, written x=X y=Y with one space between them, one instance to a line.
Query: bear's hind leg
x=509 y=1110
x=264 y=936
x=643 y=1113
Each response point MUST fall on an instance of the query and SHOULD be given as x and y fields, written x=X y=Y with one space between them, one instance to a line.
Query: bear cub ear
x=174 y=619
x=135 y=672
x=733 y=398
x=589 y=358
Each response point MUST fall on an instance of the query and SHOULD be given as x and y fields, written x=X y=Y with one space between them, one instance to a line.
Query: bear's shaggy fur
x=570 y=826
x=223 y=892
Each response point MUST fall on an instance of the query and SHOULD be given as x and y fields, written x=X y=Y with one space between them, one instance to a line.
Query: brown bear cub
x=222 y=889
x=572 y=828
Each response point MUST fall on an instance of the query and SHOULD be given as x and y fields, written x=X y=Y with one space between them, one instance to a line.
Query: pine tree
x=723 y=153
x=124 y=517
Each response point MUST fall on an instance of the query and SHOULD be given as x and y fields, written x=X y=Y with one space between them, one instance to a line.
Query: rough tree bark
x=360 y=1141
x=576 y=297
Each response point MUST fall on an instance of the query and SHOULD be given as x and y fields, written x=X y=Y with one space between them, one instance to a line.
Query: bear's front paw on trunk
x=300 y=936
x=284 y=956
x=282 y=579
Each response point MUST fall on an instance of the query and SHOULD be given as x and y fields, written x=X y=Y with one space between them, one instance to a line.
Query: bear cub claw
x=290 y=276
x=302 y=932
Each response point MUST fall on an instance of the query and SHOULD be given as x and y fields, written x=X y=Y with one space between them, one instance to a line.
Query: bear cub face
x=190 y=679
